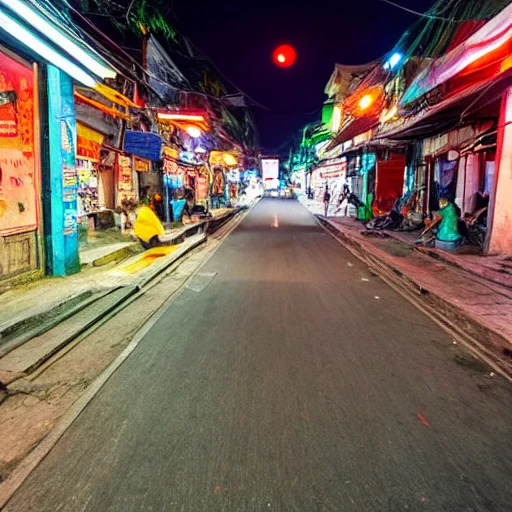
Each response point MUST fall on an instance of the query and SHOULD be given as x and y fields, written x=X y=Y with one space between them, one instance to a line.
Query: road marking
x=275 y=223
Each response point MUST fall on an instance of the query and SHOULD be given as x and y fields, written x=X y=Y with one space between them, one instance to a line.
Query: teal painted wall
x=61 y=231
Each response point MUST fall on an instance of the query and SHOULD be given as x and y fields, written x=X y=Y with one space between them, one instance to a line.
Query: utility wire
x=421 y=14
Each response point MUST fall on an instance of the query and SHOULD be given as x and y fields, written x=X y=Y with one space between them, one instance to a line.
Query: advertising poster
x=18 y=183
x=269 y=168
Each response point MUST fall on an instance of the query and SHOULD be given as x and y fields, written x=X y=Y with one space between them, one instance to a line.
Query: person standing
x=327 y=200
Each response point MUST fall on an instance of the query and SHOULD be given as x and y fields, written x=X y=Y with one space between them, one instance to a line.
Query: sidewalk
x=470 y=295
x=32 y=309
x=106 y=246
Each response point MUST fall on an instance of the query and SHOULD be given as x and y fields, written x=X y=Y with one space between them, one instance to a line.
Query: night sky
x=239 y=36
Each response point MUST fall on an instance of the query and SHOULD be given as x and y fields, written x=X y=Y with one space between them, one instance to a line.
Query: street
x=286 y=376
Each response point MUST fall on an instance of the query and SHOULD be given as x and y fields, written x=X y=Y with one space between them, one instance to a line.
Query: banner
x=18 y=183
x=164 y=77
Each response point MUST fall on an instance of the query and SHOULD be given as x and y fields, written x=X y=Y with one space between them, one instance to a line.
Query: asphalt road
x=286 y=377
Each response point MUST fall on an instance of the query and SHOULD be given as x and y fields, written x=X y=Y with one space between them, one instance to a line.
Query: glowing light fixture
x=284 y=55
x=200 y=149
x=393 y=60
x=41 y=48
x=365 y=101
x=180 y=117
x=39 y=23
x=193 y=131
x=229 y=159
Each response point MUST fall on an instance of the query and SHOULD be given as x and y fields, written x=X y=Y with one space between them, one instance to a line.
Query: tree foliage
x=137 y=17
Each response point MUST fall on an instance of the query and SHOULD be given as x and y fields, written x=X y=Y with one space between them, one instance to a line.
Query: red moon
x=284 y=56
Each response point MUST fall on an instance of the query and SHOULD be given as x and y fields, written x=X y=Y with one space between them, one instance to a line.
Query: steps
x=30 y=355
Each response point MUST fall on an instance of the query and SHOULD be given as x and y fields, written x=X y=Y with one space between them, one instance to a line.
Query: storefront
x=461 y=167
x=96 y=181
x=330 y=174
x=389 y=181
x=19 y=167
x=137 y=170
x=196 y=179
x=233 y=177
x=226 y=177
x=174 y=183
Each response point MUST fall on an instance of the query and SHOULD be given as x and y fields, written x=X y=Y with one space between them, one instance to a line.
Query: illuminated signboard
x=269 y=168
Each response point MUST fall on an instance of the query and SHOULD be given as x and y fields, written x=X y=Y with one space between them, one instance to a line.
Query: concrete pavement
x=287 y=377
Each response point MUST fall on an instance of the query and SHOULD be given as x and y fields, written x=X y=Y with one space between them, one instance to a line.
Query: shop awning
x=144 y=144
x=185 y=119
x=355 y=127
x=115 y=96
x=494 y=34
x=100 y=106
x=449 y=112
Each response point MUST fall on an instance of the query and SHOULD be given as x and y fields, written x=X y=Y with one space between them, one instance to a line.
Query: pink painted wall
x=500 y=241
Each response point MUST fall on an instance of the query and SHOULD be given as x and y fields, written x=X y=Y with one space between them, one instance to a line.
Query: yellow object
x=224 y=158
x=114 y=112
x=90 y=134
x=147 y=258
x=115 y=96
x=365 y=101
x=147 y=225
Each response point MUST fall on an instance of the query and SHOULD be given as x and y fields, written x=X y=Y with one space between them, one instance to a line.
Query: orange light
x=506 y=64
x=365 y=101
x=180 y=117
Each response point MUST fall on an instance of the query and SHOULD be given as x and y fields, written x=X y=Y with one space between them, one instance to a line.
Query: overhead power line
x=421 y=14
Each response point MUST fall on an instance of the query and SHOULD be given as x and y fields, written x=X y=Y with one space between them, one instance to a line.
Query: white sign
x=269 y=168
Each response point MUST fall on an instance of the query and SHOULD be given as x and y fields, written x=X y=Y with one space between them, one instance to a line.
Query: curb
x=481 y=340
x=8 y=338
x=118 y=255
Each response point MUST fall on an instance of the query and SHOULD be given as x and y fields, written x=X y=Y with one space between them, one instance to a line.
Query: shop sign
x=89 y=143
x=69 y=177
x=201 y=187
x=170 y=161
x=170 y=153
x=124 y=184
x=170 y=166
x=141 y=165
x=189 y=157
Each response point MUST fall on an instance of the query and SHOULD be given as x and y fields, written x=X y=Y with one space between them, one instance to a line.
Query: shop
x=331 y=174
x=174 y=183
x=460 y=168
x=137 y=172
x=20 y=188
x=389 y=181
x=361 y=170
x=233 y=177
x=196 y=179
x=226 y=177
x=96 y=180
